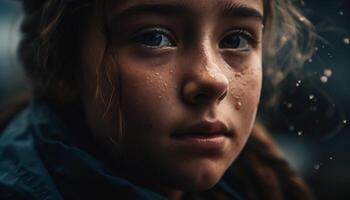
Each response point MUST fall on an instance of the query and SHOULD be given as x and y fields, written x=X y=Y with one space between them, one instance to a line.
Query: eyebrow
x=228 y=10
x=242 y=11
x=155 y=9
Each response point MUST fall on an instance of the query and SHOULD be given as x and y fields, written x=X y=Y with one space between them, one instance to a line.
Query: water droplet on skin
x=324 y=79
x=238 y=105
x=327 y=72
x=238 y=74
x=346 y=40
x=157 y=73
x=317 y=166
x=236 y=98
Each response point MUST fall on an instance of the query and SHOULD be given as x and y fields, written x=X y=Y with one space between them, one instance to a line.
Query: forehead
x=193 y=6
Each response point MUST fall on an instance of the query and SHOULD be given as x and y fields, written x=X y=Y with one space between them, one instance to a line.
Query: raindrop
x=327 y=72
x=238 y=105
x=311 y=96
x=345 y=121
x=313 y=108
x=298 y=56
x=291 y=128
x=302 y=18
x=316 y=48
x=331 y=158
x=300 y=133
x=310 y=60
x=324 y=79
x=346 y=40
x=341 y=13
x=289 y=105
x=283 y=39
x=298 y=83
x=302 y=3
x=322 y=46
x=317 y=166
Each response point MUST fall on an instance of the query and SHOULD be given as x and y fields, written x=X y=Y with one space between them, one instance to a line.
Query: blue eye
x=238 y=40
x=154 y=38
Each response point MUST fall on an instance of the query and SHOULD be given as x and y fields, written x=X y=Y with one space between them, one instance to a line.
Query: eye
x=154 y=38
x=238 y=40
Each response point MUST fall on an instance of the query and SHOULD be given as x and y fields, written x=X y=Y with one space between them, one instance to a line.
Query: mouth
x=205 y=135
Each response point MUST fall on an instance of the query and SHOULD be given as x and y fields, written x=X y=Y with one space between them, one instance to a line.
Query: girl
x=155 y=99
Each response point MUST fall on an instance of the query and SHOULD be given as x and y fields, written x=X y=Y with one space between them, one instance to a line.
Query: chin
x=199 y=177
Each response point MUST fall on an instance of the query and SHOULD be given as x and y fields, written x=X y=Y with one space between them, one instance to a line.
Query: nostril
x=222 y=96
x=200 y=98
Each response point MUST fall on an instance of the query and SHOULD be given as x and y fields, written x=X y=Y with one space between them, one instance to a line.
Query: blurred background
x=313 y=112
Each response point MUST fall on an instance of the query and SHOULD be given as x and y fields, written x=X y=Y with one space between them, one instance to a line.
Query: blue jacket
x=43 y=158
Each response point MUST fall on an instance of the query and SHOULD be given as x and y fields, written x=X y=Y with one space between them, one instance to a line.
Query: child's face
x=190 y=85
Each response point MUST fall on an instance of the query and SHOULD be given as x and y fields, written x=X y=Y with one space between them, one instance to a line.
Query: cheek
x=147 y=94
x=245 y=88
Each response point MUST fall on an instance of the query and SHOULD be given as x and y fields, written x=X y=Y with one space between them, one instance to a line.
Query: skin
x=164 y=88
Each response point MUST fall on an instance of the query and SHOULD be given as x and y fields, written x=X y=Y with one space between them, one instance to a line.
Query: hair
x=50 y=47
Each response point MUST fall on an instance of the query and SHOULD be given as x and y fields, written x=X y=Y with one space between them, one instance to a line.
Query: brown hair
x=49 y=55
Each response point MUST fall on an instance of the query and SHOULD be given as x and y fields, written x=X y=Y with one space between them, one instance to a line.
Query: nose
x=207 y=84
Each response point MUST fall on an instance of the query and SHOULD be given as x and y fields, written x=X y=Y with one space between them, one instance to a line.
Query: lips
x=205 y=136
x=203 y=129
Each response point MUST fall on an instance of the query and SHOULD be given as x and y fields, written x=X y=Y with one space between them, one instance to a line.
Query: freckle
x=157 y=73
x=238 y=105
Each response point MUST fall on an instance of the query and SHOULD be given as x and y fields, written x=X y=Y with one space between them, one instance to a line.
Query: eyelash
x=251 y=41
x=139 y=37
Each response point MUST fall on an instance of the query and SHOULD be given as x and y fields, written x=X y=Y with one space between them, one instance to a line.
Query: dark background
x=316 y=142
